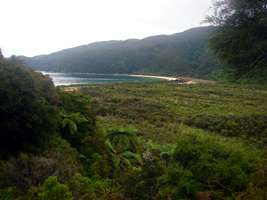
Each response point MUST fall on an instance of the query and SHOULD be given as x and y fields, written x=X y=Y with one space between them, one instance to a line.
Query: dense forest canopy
x=241 y=40
x=178 y=54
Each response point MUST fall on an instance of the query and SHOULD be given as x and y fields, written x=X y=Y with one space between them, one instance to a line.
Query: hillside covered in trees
x=183 y=53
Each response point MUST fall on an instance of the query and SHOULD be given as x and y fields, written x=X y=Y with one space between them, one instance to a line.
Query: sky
x=34 y=27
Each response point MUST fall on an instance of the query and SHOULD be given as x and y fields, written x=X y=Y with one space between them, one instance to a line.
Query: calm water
x=88 y=78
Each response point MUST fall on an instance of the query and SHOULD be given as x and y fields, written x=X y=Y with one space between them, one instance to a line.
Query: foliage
x=28 y=114
x=123 y=139
x=7 y=193
x=142 y=184
x=84 y=188
x=78 y=121
x=187 y=163
x=242 y=126
x=25 y=171
x=216 y=164
x=85 y=154
x=257 y=188
x=74 y=128
x=157 y=109
x=240 y=42
x=178 y=183
x=53 y=190
x=28 y=170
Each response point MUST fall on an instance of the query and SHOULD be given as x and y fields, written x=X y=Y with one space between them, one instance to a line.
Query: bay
x=65 y=79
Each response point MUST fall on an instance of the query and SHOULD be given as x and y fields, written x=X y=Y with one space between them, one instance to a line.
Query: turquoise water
x=61 y=79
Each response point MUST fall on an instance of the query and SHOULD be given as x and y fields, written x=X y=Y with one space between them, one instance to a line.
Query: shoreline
x=151 y=76
x=169 y=78
x=179 y=80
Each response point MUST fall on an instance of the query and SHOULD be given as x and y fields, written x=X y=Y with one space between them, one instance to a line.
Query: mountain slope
x=180 y=54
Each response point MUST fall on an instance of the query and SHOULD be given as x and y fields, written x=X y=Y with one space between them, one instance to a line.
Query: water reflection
x=60 y=79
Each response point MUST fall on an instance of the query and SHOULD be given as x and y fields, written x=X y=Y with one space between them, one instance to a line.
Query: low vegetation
x=158 y=109
x=138 y=141
x=130 y=141
x=142 y=141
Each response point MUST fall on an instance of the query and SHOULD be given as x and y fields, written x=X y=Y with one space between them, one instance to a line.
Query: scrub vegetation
x=155 y=140
x=142 y=141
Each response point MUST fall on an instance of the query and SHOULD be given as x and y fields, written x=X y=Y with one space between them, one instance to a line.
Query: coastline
x=151 y=76
x=169 y=78
x=179 y=79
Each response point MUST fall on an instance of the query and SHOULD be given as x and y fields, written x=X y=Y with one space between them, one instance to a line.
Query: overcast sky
x=33 y=27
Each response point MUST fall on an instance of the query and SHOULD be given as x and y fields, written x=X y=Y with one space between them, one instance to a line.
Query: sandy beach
x=159 y=77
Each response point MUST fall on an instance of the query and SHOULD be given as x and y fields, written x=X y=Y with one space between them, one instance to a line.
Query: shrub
x=78 y=118
x=216 y=163
x=178 y=183
x=53 y=190
x=28 y=170
x=84 y=188
x=25 y=170
x=28 y=114
x=79 y=103
x=8 y=193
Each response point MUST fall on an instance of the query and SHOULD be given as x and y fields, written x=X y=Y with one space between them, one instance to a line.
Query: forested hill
x=183 y=53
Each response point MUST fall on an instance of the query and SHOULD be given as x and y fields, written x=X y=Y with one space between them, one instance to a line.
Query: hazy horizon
x=42 y=27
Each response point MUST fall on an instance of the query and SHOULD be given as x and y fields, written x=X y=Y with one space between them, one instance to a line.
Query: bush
x=28 y=170
x=79 y=103
x=28 y=114
x=25 y=170
x=53 y=190
x=78 y=118
x=84 y=188
x=178 y=183
x=8 y=193
x=217 y=164
x=142 y=184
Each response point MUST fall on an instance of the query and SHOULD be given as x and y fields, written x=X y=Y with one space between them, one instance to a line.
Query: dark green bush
x=85 y=188
x=28 y=113
x=217 y=164
x=51 y=189
x=78 y=118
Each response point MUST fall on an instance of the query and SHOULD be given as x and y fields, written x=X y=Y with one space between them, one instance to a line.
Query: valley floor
x=196 y=141
x=158 y=110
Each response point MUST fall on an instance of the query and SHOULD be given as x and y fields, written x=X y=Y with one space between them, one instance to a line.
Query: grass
x=158 y=109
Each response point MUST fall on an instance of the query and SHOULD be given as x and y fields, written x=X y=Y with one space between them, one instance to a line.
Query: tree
x=72 y=124
x=28 y=108
x=120 y=162
x=241 y=40
x=78 y=118
x=123 y=139
x=122 y=150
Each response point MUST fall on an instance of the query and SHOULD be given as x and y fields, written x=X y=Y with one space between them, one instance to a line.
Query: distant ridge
x=183 y=53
